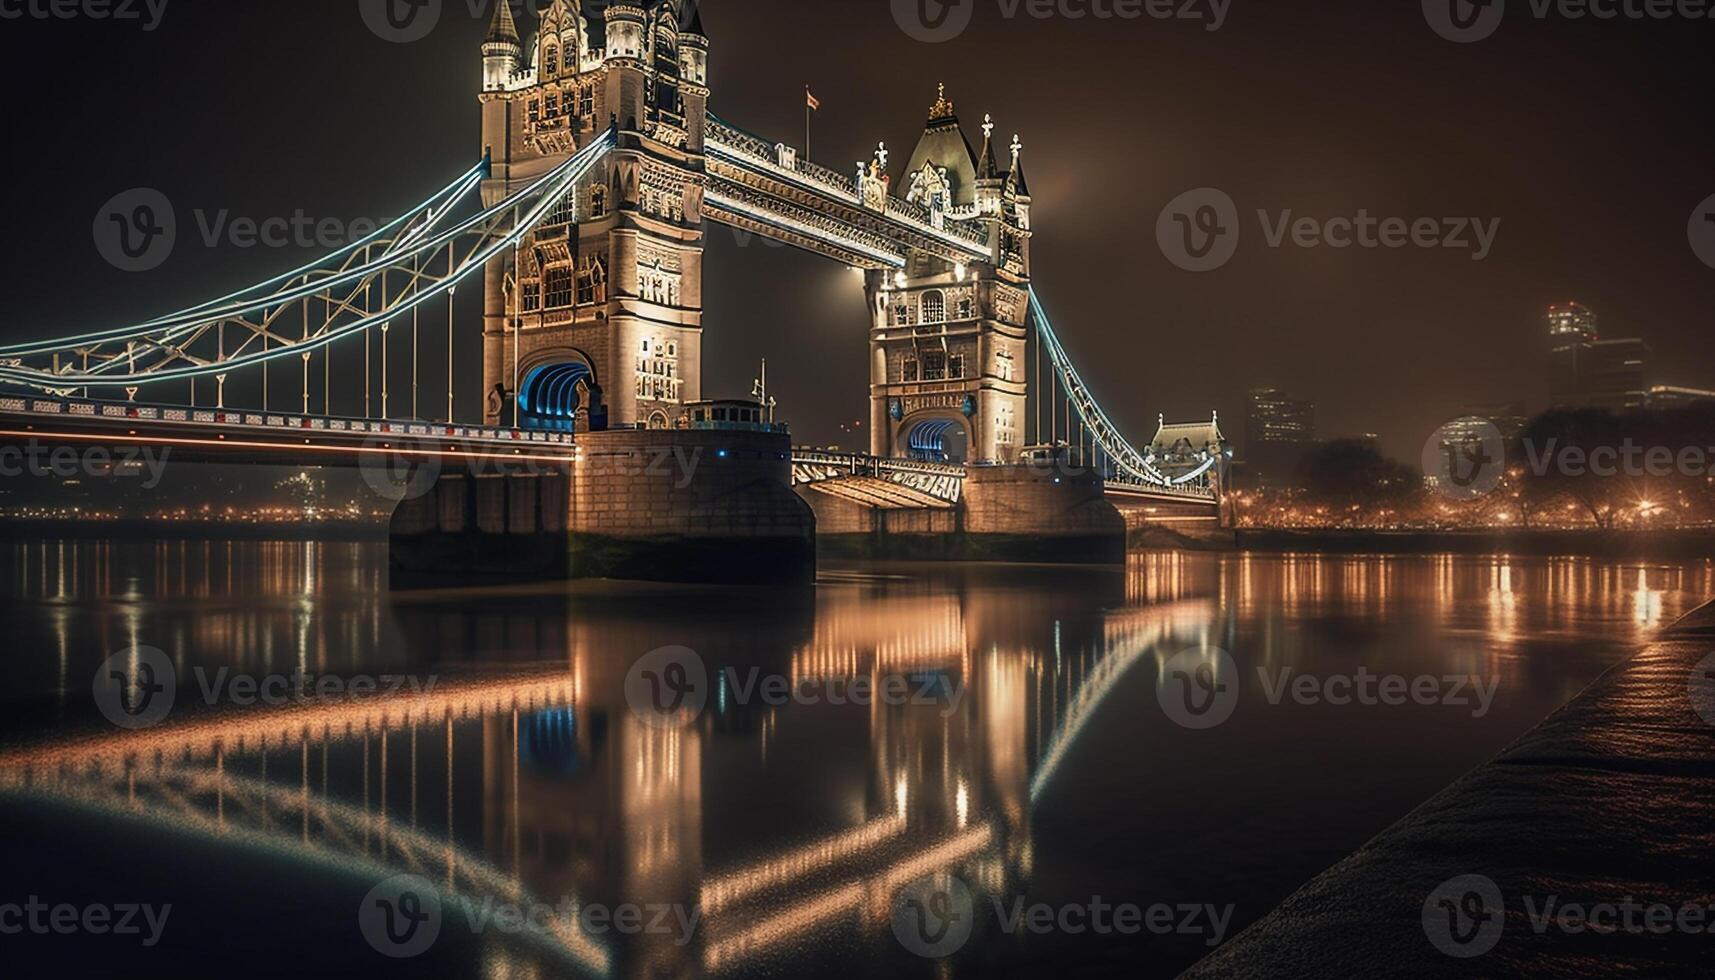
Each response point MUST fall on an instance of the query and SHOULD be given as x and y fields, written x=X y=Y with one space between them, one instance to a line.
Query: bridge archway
x=553 y=394
x=936 y=437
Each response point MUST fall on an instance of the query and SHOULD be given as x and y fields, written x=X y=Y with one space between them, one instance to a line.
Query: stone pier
x=1019 y=513
x=700 y=505
x=472 y=524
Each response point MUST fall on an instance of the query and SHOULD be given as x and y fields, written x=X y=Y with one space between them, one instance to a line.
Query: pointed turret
x=1016 y=185
x=501 y=50
x=945 y=149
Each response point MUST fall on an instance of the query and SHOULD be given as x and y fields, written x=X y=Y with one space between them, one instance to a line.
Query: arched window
x=934 y=307
x=558 y=287
x=551 y=60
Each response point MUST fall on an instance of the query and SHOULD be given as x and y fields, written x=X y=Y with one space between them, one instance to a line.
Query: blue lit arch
x=927 y=440
x=549 y=398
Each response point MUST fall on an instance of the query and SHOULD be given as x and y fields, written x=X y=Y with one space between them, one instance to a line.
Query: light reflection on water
x=521 y=775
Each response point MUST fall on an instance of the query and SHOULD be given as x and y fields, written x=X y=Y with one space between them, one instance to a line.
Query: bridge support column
x=467 y=526
x=1040 y=513
x=689 y=506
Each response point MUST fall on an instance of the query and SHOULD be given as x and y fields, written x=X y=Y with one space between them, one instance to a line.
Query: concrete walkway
x=1611 y=799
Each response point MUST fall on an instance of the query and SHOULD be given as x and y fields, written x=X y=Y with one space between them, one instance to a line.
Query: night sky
x=1589 y=140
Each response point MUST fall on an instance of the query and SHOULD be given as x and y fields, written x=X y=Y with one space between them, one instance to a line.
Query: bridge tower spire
x=949 y=340
x=602 y=307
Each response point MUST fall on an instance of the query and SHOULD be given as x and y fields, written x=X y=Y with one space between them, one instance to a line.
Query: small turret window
x=551 y=60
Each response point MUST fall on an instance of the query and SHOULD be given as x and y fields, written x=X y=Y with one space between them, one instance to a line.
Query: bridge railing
x=271 y=421
x=863 y=464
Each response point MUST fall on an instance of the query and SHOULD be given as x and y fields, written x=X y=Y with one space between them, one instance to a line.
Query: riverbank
x=1610 y=803
x=1660 y=545
x=145 y=530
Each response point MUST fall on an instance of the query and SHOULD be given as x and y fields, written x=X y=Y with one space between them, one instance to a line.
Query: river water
x=908 y=770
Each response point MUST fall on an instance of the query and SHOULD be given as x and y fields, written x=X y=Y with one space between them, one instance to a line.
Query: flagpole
x=807 y=112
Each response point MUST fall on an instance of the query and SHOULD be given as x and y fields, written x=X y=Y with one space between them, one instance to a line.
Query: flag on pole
x=810 y=101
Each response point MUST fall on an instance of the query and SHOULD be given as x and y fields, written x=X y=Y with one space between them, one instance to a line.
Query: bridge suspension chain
x=367 y=285
x=1124 y=461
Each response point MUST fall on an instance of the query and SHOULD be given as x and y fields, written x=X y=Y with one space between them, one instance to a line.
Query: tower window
x=965 y=309
x=934 y=366
x=934 y=307
x=908 y=371
x=956 y=366
x=558 y=287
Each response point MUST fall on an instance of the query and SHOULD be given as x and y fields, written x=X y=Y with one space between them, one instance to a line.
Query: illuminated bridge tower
x=948 y=340
x=606 y=296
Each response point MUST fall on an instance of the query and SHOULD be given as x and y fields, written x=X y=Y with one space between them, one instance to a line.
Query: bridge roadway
x=245 y=435
x=250 y=436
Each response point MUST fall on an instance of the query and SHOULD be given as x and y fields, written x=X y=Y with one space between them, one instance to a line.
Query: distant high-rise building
x=1616 y=374
x=1571 y=329
x=1589 y=372
x=1671 y=396
x=1280 y=428
x=1277 y=417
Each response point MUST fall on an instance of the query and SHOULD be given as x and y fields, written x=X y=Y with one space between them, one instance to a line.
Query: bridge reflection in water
x=522 y=776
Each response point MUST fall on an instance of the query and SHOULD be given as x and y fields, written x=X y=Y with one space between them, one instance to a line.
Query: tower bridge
x=585 y=224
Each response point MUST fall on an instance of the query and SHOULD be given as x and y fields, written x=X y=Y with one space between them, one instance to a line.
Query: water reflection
x=1037 y=768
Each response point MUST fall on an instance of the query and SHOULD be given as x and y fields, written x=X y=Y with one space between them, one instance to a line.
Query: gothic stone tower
x=606 y=294
x=949 y=341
